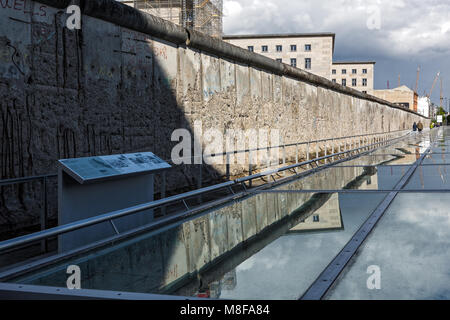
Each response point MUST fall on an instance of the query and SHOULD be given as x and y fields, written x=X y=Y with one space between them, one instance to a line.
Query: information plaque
x=91 y=169
x=88 y=187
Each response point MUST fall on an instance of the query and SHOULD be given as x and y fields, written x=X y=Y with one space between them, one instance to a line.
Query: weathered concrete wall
x=109 y=89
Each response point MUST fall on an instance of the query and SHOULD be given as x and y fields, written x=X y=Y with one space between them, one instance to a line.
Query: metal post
x=228 y=166
x=317 y=151
x=296 y=153
x=44 y=215
x=332 y=149
x=250 y=166
x=199 y=183
x=307 y=152
x=163 y=191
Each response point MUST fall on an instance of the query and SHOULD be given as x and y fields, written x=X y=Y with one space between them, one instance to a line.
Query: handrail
x=300 y=143
x=6 y=182
x=14 y=242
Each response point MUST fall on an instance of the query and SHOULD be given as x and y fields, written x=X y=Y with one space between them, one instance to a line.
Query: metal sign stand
x=88 y=187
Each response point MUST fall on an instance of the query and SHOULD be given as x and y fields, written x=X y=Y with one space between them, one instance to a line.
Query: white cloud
x=415 y=31
x=407 y=28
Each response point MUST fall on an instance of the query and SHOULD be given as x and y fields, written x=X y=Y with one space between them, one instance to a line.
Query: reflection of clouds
x=286 y=268
x=410 y=244
x=274 y=258
x=247 y=264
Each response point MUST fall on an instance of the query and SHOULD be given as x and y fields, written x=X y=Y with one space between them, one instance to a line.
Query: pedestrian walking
x=415 y=126
x=420 y=126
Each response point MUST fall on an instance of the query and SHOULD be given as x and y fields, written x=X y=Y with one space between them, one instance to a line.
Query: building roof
x=354 y=62
x=281 y=35
x=401 y=88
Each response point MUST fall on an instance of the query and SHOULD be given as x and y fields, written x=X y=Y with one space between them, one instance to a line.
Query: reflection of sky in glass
x=287 y=267
x=437 y=158
x=411 y=246
x=430 y=177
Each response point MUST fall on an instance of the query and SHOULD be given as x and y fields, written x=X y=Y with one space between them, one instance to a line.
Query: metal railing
x=110 y=216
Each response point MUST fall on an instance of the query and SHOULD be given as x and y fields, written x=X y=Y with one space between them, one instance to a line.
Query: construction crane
x=417 y=79
x=442 y=96
x=434 y=84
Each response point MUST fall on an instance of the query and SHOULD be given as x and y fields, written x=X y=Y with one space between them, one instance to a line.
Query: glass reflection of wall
x=370 y=183
x=228 y=282
x=327 y=217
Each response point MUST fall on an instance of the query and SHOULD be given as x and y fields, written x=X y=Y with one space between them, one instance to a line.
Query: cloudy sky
x=399 y=35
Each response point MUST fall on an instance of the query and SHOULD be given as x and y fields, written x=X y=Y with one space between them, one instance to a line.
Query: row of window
x=294 y=62
x=354 y=82
x=316 y=218
x=354 y=71
x=279 y=48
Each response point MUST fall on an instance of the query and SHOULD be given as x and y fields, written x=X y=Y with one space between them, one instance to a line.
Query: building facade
x=402 y=96
x=312 y=52
x=357 y=75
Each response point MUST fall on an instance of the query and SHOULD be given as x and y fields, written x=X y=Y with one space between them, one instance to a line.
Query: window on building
x=294 y=62
x=251 y=48
x=354 y=71
x=316 y=218
x=293 y=47
x=264 y=49
x=344 y=71
x=334 y=80
x=307 y=47
x=364 y=91
x=364 y=82
x=333 y=71
x=365 y=71
x=344 y=82
x=280 y=60
x=279 y=48
x=308 y=63
x=354 y=82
